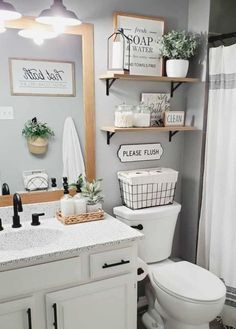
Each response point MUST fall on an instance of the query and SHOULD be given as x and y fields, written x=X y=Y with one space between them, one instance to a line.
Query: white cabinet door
x=107 y=304
x=17 y=314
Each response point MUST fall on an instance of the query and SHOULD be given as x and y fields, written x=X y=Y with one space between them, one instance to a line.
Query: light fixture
x=37 y=35
x=7 y=13
x=58 y=16
x=2 y=27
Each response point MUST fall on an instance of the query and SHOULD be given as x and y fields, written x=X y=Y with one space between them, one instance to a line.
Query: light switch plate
x=6 y=113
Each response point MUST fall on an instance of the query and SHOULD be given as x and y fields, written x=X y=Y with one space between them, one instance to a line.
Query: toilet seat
x=188 y=282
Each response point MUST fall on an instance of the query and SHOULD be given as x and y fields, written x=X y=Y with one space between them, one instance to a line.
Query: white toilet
x=180 y=295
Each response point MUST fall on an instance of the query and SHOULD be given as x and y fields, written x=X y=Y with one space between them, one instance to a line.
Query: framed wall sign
x=174 y=118
x=140 y=152
x=144 y=31
x=158 y=103
x=42 y=77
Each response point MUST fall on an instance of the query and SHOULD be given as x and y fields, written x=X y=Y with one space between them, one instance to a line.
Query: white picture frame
x=144 y=31
x=34 y=77
x=158 y=103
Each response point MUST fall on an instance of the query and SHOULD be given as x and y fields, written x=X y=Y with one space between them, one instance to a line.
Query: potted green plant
x=37 y=135
x=178 y=47
x=92 y=192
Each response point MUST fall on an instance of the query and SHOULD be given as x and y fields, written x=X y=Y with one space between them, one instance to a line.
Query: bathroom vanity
x=69 y=277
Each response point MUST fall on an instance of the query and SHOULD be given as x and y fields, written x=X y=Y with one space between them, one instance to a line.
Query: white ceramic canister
x=79 y=204
x=67 y=205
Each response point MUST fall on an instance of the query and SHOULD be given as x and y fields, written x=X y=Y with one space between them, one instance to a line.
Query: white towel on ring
x=73 y=162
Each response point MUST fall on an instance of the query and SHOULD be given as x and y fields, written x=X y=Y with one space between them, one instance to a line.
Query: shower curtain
x=217 y=232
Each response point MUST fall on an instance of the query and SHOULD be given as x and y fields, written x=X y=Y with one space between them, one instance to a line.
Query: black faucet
x=17 y=207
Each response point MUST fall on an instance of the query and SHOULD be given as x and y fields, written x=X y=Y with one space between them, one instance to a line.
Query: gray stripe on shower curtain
x=231 y=296
x=222 y=81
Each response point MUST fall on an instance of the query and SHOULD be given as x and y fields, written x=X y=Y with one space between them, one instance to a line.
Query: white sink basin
x=20 y=239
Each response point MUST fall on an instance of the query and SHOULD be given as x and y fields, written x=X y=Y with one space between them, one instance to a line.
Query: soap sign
x=144 y=33
x=42 y=77
x=140 y=152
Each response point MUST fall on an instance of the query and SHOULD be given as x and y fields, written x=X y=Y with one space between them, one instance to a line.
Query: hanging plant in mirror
x=37 y=135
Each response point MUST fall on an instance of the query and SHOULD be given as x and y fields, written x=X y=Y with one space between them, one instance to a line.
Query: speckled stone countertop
x=29 y=245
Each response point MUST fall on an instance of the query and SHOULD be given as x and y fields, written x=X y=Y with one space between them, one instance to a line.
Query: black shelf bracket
x=174 y=86
x=172 y=134
x=109 y=83
x=109 y=136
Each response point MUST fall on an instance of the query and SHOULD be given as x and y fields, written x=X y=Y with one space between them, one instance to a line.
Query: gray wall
x=175 y=13
x=100 y=14
x=193 y=143
x=222 y=17
x=184 y=152
x=14 y=154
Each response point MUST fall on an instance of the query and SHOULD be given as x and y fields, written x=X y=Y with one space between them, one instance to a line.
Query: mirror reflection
x=52 y=110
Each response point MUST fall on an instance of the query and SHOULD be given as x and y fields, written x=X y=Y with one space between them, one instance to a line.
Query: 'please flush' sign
x=140 y=152
x=42 y=77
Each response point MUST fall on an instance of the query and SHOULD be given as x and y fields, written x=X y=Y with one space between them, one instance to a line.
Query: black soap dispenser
x=53 y=184
x=5 y=189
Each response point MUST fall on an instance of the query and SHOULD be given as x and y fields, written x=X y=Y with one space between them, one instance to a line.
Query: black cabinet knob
x=140 y=271
x=35 y=219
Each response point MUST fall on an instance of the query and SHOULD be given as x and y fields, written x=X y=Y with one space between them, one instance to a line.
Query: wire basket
x=147 y=195
x=147 y=188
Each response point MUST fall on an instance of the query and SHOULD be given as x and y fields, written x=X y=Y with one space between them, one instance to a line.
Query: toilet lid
x=189 y=281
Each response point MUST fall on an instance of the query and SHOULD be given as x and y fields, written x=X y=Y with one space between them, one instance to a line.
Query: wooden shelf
x=110 y=78
x=146 y=78
x=111 y=130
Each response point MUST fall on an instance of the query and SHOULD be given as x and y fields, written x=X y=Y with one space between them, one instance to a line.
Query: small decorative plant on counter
x=92 y=192
x=178 y=47
x=37 y=135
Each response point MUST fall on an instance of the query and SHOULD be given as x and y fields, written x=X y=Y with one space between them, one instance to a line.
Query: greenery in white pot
x=93 y=193
x=178 y=47
x=37 y=135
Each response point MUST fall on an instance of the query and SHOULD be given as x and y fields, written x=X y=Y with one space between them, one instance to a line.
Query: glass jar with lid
x=142 y=116
x=124 y=116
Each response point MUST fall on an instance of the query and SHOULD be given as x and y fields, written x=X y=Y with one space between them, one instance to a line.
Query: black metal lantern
x=118 y=57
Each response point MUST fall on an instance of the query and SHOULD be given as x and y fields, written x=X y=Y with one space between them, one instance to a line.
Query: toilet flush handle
x=138 y=227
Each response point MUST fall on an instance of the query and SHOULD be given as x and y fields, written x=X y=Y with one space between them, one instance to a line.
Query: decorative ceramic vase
x=37 y=145
x=94 y=207
x=177 y=68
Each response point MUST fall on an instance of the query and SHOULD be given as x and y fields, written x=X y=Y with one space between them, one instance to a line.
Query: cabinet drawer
x=111 y=263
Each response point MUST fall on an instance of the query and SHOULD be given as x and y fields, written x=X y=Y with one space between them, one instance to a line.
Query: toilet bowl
x=180 y=295
x=187 y=296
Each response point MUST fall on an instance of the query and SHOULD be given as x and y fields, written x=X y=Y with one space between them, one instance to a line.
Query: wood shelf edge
x=147 y=78
x=113 y=129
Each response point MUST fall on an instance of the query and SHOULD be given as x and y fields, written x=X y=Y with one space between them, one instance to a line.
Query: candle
x=117 y=55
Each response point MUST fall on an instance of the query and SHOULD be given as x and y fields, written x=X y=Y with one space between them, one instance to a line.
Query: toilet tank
x=158 y=226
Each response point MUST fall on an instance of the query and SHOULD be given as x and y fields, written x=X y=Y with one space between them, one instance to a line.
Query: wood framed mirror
x=85 y=31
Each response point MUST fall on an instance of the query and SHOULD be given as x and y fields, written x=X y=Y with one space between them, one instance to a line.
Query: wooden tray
x=82 y=218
